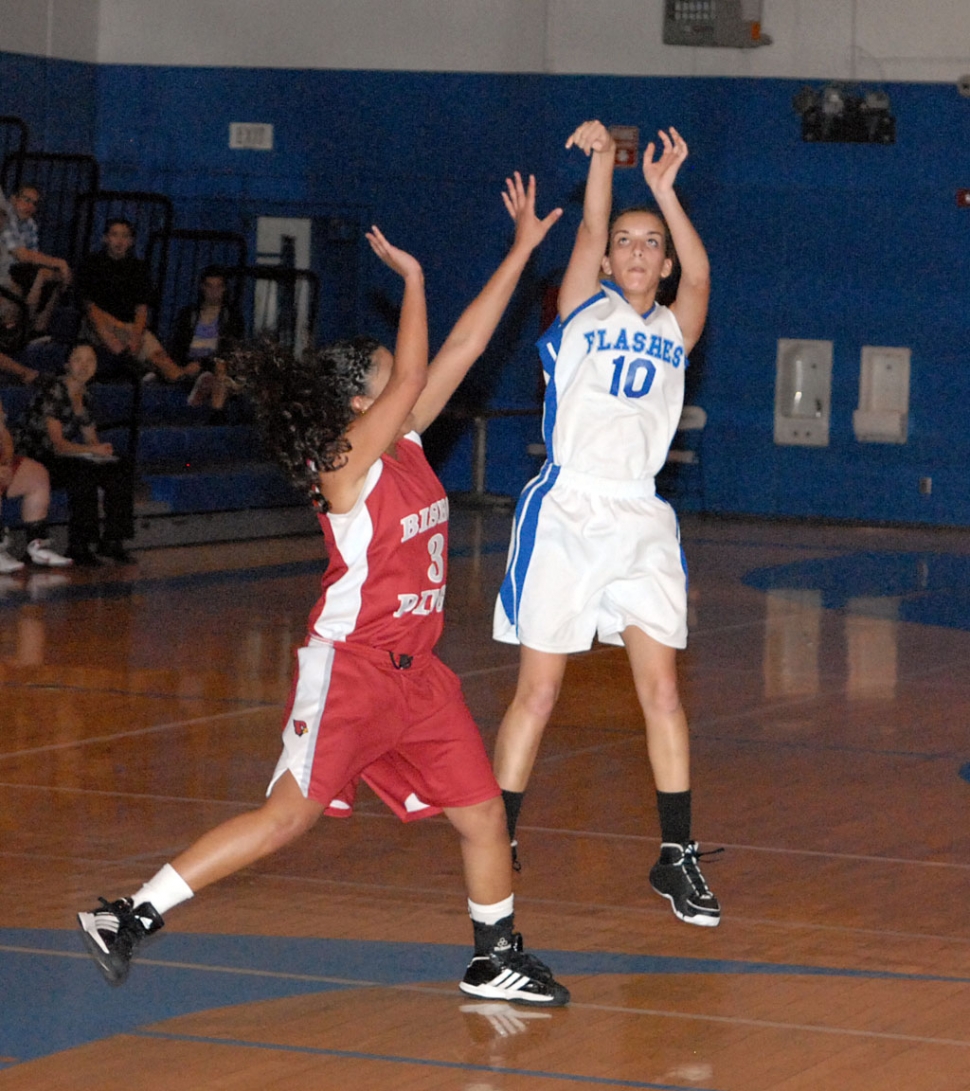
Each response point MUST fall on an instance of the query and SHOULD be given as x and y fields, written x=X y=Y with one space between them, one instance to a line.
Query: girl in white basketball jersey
x=371 y=700
x=594 y=551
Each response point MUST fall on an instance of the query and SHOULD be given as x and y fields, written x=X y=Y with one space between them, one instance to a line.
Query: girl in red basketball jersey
x=370 y=698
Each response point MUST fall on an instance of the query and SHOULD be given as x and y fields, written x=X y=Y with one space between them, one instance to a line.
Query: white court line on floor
x=173 y=725
x=148 y=796
x=385 y=889
x=553 y=831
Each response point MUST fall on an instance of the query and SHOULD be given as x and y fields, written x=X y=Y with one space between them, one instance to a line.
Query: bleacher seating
x=187 y=252
x=197 y=482
x=14 y=138
x=60 y=177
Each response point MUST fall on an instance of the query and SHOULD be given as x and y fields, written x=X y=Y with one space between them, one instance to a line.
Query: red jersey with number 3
x=388 y=557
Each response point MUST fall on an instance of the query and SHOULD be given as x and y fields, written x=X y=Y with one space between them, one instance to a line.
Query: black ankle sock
x=490 y=936
x=513 y=804
x=674 y=810
x=36 y=531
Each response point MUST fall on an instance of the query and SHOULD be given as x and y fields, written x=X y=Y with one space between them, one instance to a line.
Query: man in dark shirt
x=115 y=289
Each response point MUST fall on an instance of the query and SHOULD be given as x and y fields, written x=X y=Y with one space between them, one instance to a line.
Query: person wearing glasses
x=36 y=278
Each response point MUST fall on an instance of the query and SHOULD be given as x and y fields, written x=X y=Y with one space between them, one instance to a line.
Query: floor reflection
x=872 y=649
x=793 y=623
x=876 y=593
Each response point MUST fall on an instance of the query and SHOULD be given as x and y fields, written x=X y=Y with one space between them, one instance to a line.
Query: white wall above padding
x=868 y=40
x=67 y=29
x=883 y=413
x=803 y=392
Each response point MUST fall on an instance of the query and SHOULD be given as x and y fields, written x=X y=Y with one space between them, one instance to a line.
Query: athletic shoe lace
x=692 y=869
x=524 y=963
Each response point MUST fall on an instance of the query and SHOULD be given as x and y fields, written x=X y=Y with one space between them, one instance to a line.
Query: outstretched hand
x=393 y=257
x=520 y=200
x=591 y=136
x=660 y=173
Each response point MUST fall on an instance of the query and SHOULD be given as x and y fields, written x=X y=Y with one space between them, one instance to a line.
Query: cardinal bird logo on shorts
x=300 y=727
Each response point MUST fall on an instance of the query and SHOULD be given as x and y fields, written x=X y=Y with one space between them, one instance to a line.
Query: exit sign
x=251 y=135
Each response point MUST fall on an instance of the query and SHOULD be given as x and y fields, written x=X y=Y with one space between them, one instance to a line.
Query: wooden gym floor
x=828 y=686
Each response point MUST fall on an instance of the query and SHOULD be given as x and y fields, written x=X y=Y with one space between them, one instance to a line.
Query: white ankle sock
x=164 y=890
x=491 y=914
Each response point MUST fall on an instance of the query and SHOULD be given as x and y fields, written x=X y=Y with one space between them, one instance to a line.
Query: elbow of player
x=699 y=280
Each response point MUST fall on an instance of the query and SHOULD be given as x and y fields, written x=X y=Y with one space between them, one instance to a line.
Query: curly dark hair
x=302 y=404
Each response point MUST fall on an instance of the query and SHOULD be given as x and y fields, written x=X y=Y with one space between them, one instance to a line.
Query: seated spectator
x=14 y=319
x=59 y=431
x=115 y=290
x=206 y=332
x=24 y=478
x=33 y=276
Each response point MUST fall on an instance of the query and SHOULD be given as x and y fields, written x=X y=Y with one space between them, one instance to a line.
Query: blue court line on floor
x=424 y=1062
x=54 y=998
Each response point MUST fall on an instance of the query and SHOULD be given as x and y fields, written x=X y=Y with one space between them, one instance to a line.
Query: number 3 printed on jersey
x=635 y=378
x=436 y=550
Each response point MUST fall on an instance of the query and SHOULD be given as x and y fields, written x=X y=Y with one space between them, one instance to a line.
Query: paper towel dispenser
x=883 y=413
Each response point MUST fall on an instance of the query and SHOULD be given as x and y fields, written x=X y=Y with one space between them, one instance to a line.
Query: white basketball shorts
x=589 y=557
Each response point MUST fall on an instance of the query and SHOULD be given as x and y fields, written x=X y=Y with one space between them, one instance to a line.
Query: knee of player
x=287 y=814
x=481 y=823
x=288 y=826
x=537 y=699
x=660 y=694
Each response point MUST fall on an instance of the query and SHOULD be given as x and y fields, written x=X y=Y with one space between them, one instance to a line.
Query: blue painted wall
x=57 y=99
x=856 y=244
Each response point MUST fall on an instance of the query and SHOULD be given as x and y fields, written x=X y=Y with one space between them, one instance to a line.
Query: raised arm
x=472 y=331
x=581 y=279
x=14 y=367
x=693 y=292
x=395 y=384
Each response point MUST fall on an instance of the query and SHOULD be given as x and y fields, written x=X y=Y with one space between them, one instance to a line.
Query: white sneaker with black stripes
x=506 y=972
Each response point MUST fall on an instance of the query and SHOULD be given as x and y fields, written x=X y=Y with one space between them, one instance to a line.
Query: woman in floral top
x=59 y=431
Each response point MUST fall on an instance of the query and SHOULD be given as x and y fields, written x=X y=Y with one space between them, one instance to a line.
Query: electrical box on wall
x=732 y=23
x=883 y=413
x=803 y=392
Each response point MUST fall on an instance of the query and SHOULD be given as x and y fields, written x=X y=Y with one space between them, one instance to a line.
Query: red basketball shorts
x=357 y=713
